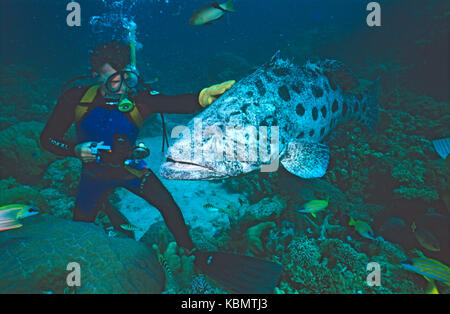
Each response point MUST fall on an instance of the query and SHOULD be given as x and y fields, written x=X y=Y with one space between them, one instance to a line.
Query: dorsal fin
x=340 y=74
x=276 y=57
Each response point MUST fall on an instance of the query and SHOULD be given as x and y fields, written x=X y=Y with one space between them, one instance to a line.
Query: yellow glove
x=210 y=94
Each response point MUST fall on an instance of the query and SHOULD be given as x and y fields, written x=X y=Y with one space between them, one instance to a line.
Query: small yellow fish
x=312 y=207
x=211 y=12
x=363 y=228
x=431 y=289
x=130 y=227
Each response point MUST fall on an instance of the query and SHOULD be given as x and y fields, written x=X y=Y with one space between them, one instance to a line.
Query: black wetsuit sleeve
x=61 y=119
x=185 y=103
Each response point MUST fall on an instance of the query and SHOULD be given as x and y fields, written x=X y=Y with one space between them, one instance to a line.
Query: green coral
x=305 y=273
x=21 y=155
x=399 y=157
x=303 y=252
x=12 y=192
x=254 y=186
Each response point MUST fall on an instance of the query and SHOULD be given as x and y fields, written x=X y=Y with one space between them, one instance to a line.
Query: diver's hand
x=83 y=152
x=209 y=95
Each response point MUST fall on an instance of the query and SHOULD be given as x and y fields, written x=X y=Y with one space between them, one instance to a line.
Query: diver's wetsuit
x=100 y=123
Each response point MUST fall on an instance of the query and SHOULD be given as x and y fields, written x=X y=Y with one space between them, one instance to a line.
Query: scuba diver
x=108 y=117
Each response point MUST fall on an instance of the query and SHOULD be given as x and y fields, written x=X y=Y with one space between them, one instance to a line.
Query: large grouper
x=281 y=113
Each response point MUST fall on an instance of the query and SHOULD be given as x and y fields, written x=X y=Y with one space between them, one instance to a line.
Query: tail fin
x=228 y=6
x=351 y=222
x=370 y=116
x=442 y=147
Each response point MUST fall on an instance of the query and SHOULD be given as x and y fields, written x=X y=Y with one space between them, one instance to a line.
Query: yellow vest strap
x=136 y=116
x=90 y=94
x=80 y=111
x=88 y=98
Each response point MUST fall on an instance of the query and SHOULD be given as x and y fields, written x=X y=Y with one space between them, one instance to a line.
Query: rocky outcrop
x=34 y=259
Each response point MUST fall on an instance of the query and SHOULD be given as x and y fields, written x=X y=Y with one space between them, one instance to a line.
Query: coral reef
x=333 y=266
x=254 y=236
x=12 y=192
x=20 y=153
x=266 y=209
x=35 y=258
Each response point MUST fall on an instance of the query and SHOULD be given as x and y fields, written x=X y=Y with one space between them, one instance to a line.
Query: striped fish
x=312 y=207
x=363 y=228
x=162 y=261
x=10 y=215
x=429 y=268
x=442 y=147
x=211 y=208
x=130 y=227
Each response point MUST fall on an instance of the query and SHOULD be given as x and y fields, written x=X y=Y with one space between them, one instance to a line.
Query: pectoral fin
x=306 y=159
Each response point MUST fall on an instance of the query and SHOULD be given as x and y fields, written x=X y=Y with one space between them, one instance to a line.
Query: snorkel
x=128 y=76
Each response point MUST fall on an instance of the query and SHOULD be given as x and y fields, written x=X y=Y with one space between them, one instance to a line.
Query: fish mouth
x=184 y=170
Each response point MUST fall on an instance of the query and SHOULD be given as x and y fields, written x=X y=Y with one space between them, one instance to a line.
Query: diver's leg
x=154 y=192
x=117 y=219
x=91 y=193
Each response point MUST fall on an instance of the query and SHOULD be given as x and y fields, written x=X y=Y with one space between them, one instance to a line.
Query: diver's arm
x=61 y=119
x=185 y=103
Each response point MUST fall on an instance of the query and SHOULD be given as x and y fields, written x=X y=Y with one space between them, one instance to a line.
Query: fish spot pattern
x=330 y=81
x=322 y=131
x=298 y=87
x=283 y=92
x=344 y=108
x=300 y=110
x=324 y=111
x=315 y=113
x=260 y=87
x=317 y=91
x=335 y=106
x=281 y=72
x=244 y=107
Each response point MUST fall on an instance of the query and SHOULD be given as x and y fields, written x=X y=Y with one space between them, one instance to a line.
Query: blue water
x=35 y=32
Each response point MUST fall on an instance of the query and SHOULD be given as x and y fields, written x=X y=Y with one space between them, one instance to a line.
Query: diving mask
x=115 y=83
x=128 y=76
